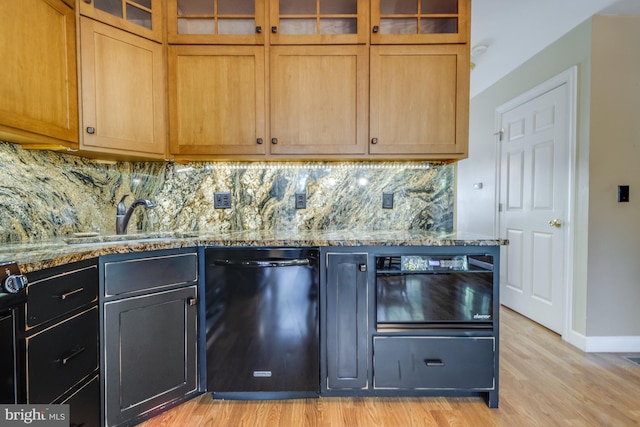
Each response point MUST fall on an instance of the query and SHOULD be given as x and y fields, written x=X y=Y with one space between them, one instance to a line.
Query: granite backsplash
x=44 y=195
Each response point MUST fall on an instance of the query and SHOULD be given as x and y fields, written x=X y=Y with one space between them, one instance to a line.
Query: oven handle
x=257 y=263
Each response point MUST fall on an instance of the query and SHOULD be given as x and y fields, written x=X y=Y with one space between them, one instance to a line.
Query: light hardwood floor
x=543 y=382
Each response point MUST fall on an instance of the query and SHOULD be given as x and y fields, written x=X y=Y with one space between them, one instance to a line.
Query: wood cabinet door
x=38 y=79
x=419 y=101
x=217 y=100
x=319 y=98
x=123 y=92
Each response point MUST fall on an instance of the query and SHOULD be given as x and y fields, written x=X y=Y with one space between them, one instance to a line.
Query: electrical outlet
x=301 y=200
x=222 y=200
x=387 y=200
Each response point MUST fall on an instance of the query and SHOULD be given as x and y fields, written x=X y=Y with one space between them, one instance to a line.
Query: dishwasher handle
x=258 y=263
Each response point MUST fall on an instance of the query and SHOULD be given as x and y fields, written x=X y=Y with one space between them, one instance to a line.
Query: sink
x=88 y=238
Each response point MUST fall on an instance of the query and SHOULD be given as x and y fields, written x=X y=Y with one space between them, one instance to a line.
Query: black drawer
x=60 y=292
x=61 y=356
x=84 y=404
x=434 y=363
x=149 y=273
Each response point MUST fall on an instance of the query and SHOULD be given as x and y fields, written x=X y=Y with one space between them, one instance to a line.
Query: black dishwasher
x=262 y=323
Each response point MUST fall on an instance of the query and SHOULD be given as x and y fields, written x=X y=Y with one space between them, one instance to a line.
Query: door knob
x=555 y=223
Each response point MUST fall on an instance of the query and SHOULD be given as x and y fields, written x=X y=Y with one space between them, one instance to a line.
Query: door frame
x=570 y=78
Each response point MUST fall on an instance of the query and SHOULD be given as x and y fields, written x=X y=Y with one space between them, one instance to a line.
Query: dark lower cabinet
x=346 y=320
x=62 y=340
x=150 y=335
x=434 y=363
x=410 y=321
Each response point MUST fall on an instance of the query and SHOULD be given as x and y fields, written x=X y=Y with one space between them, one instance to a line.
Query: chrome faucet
x=123 y=215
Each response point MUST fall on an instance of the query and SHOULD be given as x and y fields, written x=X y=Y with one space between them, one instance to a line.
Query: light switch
x=623 y=193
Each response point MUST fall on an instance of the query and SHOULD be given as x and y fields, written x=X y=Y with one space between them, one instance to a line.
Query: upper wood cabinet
x=38 y=79
x=240 y=79
x=333 y=89
x=419 y=101
x=420 y=21
x=217 y=100
x=142 y=17
x=279 y=21
x=123 y=93
x=319 y=100
x=216 y=21
x=318 y=21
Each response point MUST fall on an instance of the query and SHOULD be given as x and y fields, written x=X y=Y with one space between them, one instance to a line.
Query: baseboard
x=576 y=339
x=624 y=344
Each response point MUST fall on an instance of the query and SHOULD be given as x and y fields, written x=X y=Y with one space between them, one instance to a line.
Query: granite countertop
x=34 y=256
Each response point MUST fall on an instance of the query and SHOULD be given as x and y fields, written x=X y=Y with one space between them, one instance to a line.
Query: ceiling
x=515 y=30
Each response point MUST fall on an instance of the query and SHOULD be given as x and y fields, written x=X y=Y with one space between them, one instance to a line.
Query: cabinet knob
x=374 y=140
x=91 y=130
x=362 y=267
x=191 y=302
x=376 y=28
x=274 y=140
x=274 y=29
x=259 y=140
x=258 y=29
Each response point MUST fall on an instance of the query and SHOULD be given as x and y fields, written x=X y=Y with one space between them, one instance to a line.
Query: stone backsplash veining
x=44 y=195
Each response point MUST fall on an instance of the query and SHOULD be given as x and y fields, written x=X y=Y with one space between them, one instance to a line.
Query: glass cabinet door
x=318 y=21
x=419 y=21
x=216 y=21
x=142 y=17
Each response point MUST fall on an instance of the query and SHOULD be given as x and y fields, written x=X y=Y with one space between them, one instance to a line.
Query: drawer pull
x=433 y=362
x=75 y=352
x=71 y=293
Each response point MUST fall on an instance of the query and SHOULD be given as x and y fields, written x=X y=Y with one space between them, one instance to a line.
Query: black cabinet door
x=151 y=352
x=346 y=321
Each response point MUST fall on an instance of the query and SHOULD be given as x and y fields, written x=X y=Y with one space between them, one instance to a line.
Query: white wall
x=477 y=209
x=613 y=303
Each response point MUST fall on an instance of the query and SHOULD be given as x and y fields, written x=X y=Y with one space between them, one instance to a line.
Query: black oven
x=434 y=291
x=12 y=300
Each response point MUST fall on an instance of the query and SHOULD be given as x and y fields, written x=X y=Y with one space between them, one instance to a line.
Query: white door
x=534 y=194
